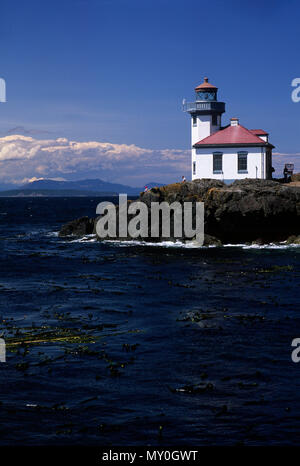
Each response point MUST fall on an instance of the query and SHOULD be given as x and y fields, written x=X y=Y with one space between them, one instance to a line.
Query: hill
x=53 y=193
x=94 y=185
x=89 y=187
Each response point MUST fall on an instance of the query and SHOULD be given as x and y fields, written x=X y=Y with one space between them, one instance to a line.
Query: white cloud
x=24 y=158
x=34 y=178
x=27 y=158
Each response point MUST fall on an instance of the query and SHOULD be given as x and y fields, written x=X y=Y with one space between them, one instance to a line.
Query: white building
x=231 y=152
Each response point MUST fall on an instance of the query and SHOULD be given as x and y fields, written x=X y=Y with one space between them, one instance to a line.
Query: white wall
x=264 y=137
x=203 y=128
x=204 y=163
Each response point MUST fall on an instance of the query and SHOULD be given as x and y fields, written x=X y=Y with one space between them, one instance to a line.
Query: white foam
x=163 y=244
x=85 y=239
x=194 y=245
x=178 y=244
x=282 y=245
x=52 y=233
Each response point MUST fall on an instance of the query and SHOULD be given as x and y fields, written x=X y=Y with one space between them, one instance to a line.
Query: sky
x=95 y=87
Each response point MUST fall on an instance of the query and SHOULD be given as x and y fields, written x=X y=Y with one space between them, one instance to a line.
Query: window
x=217 y=162
x=194 y=120
x=214 y=120
x=194 y=168
x=242 y=162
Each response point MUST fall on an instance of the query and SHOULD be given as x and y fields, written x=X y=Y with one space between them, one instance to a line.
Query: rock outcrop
x=295 y=177
x=79 y=227
x=245 y=211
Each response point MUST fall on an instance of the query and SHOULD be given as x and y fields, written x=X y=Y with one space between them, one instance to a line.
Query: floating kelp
x=277 y=269
x=55 y=336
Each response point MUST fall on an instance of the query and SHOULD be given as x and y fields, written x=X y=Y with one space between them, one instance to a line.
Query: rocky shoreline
x=247 y=211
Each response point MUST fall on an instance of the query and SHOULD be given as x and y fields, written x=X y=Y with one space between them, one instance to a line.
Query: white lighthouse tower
x=225 y=153
x=205 y=112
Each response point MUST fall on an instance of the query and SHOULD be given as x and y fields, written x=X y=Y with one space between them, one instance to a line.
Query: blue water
x=134 y=344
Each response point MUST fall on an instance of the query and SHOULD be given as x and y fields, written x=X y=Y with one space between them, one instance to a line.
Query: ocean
x=135 y=344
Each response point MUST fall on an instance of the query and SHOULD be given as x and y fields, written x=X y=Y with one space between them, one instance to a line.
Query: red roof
x=205 y=85
x=232 y=135
x=260 y=132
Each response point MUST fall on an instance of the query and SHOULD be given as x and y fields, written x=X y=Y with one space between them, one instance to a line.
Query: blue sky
x=116 y=71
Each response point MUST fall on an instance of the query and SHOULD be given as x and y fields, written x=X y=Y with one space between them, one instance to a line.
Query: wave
x=85 y=239
x=282 y=245
x=164 y=244
x=194 y=245
x=178 y=244
x=52 y=234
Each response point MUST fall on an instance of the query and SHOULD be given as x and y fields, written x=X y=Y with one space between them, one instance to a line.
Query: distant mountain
x=54 y=193
x=93 y=187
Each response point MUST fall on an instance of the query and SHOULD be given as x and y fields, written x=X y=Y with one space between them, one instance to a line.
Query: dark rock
x=245 y=211
x=189 y=191
x=80 y=227
x=295 y=177
x=293 y=239
x=211 y=241
x=251 y=209
x=258 y=242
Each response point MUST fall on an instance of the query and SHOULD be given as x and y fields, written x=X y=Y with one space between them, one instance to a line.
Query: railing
x=203 y=106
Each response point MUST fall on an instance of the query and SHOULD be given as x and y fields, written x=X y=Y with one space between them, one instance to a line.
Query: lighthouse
x=227 y=152
x=205 y=111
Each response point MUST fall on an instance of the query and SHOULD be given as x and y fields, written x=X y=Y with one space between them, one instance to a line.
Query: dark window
x=217 y=162
x=214 y=120
x=194 y=120
x=194 y=168
x=242 y=162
